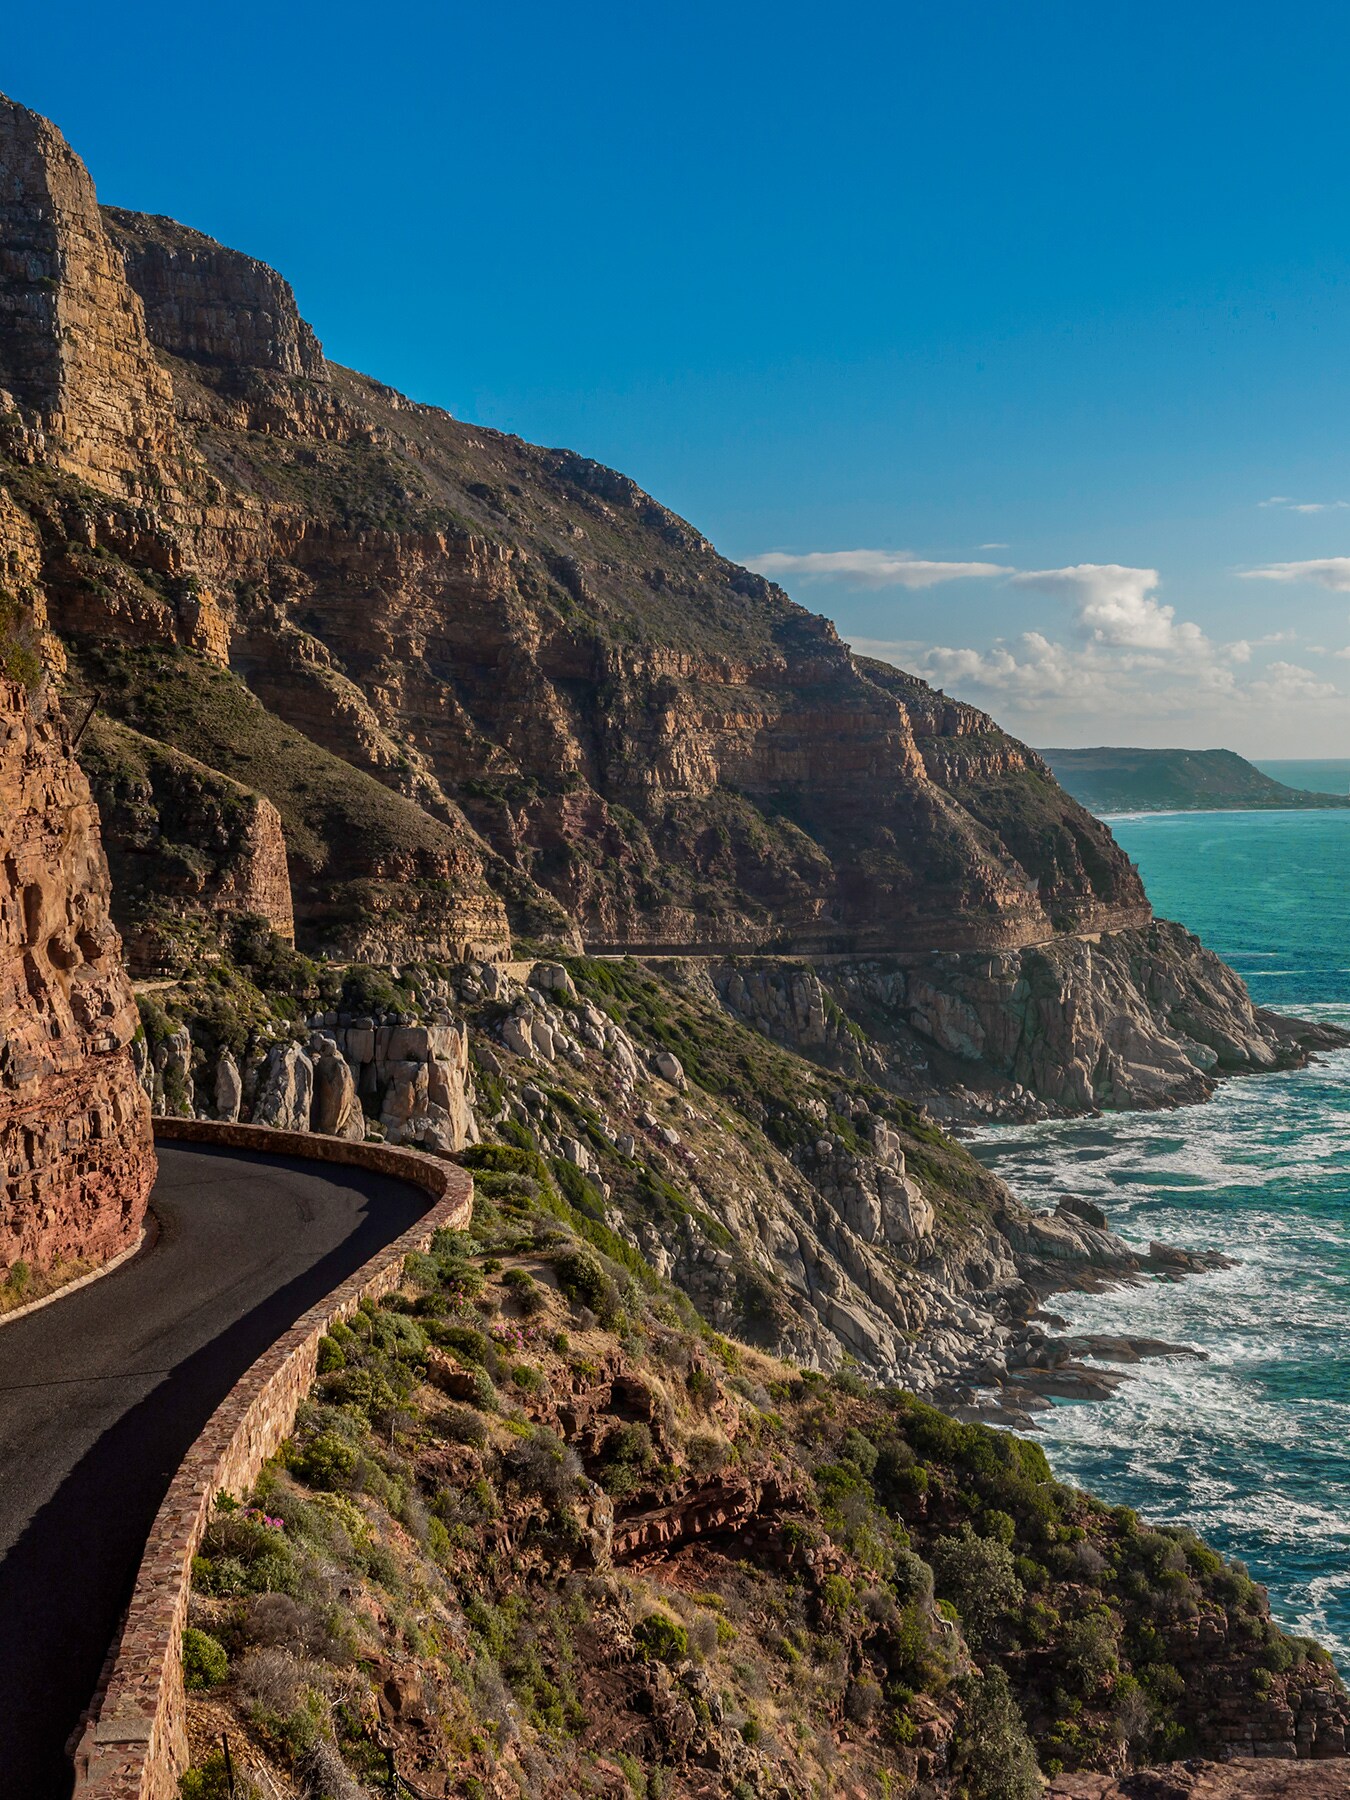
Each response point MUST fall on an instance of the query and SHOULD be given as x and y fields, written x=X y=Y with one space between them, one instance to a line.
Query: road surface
x=102 y=1392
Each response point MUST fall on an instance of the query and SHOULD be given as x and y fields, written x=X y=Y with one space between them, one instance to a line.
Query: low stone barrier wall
x=135 y=1744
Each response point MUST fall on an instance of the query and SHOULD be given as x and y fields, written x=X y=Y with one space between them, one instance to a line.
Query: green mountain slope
x=1126 y=780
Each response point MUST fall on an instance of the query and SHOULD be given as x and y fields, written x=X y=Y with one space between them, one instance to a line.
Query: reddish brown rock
x=1248 y=1778
x=75 y=1145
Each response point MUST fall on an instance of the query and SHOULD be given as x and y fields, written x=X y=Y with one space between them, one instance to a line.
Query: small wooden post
x=84 y=726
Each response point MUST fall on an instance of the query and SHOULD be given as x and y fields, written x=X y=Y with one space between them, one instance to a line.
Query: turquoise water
x=1251 y=1447
x=1321 y=775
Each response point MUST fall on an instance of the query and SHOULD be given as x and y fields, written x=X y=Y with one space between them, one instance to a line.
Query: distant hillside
x=1116 y=780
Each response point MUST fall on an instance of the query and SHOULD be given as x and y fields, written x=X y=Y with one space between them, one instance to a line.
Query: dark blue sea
x=1252 y=1447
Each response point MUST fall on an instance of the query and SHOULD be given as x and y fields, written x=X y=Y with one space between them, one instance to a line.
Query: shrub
x=525 y=1291
x=210 y=1781
x=859 y=1451
x=705 y=1454
x=1089 y=1650
x=662 y=1638
x=861 y=1701
x=993 y=1752
x=331 y=1355
x=586 y=1284
x=977 y=1576
x=327 y=1461
x=542 y=1464
x=205 y=1664
x=462 y=1425
x=469 y=1345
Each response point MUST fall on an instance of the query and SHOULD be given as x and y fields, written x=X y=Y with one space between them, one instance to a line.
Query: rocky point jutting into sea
x=458 y=794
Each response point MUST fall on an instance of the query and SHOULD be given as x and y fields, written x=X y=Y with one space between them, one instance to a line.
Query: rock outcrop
x=401 y=1079
x=188 y=848
x=1137 y=1018
x=211 y=305
x=75 y=1147
x=75 y=359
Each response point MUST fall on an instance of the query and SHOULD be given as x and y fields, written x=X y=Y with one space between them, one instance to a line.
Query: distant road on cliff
x=103 y=1391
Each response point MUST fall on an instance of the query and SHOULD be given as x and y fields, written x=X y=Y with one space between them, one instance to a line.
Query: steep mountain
x=482 y=687
x=1118 y=780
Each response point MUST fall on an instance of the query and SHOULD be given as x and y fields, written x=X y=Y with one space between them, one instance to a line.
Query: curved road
x=102 y=1392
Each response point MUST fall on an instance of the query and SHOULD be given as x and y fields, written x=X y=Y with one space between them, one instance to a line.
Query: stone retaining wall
x=134 y=1746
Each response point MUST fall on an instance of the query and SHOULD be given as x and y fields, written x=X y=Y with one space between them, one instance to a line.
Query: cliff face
x=518 y=641
x=74 y=353
x=1132 y=1019
x=75 y=1145
x=187 y=847
x=485 y=682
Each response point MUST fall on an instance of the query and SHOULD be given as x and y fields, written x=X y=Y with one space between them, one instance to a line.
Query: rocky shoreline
x=873 y=1271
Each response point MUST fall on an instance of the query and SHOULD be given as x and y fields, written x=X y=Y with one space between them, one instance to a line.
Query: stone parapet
x=134 y=1745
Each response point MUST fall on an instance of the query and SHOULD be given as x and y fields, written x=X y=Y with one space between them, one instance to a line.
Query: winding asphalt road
x=103 y=1391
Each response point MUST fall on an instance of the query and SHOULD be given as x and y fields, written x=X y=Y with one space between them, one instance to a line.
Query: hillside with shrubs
x=542 y=1531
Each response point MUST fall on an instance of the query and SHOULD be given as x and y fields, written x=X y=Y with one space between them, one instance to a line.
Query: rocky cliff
x=478 y=685
x=75 y=1146
x=1114 y=1021
x=532 y=652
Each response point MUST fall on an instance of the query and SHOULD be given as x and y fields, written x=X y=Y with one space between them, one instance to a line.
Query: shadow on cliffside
x=67 y=1580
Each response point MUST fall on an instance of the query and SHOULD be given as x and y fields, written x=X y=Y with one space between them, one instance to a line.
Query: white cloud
x=1305 y=506
x=1002 y=546
x=1286 y=682
x=1327 y=571
x=1115 y=605
x=869 y=568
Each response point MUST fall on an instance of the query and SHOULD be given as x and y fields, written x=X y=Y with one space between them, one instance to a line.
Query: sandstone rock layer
x=75 y=1146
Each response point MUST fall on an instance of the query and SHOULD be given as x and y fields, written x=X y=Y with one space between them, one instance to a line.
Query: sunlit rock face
x=75 y=1145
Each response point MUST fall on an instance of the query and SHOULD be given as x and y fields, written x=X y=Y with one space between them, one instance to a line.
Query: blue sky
x=904 y=282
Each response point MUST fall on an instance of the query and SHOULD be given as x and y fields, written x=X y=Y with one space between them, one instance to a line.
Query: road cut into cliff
x=102 y=1393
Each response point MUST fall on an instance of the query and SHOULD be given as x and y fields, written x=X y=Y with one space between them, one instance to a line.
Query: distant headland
x=1110 y=780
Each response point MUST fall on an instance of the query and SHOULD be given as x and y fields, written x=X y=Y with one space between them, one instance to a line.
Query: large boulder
x=229 y=1088
x=336 y=1110
x=286 y=1092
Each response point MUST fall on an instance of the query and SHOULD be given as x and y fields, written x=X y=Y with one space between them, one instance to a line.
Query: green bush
x=205 y=1664
x=327 y=1461
x=484 y=1393
x=462 y=1425
x=662 y=1638
x=525 y=1291
x=469 y=1345
x=543 y=1464
x=994 y=1755
x=211 y=1781
x=978 y=1577
x=585 y=1283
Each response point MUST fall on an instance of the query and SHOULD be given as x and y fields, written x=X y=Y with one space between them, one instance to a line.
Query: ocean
x=1318 y=775
x=1252 y=1446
